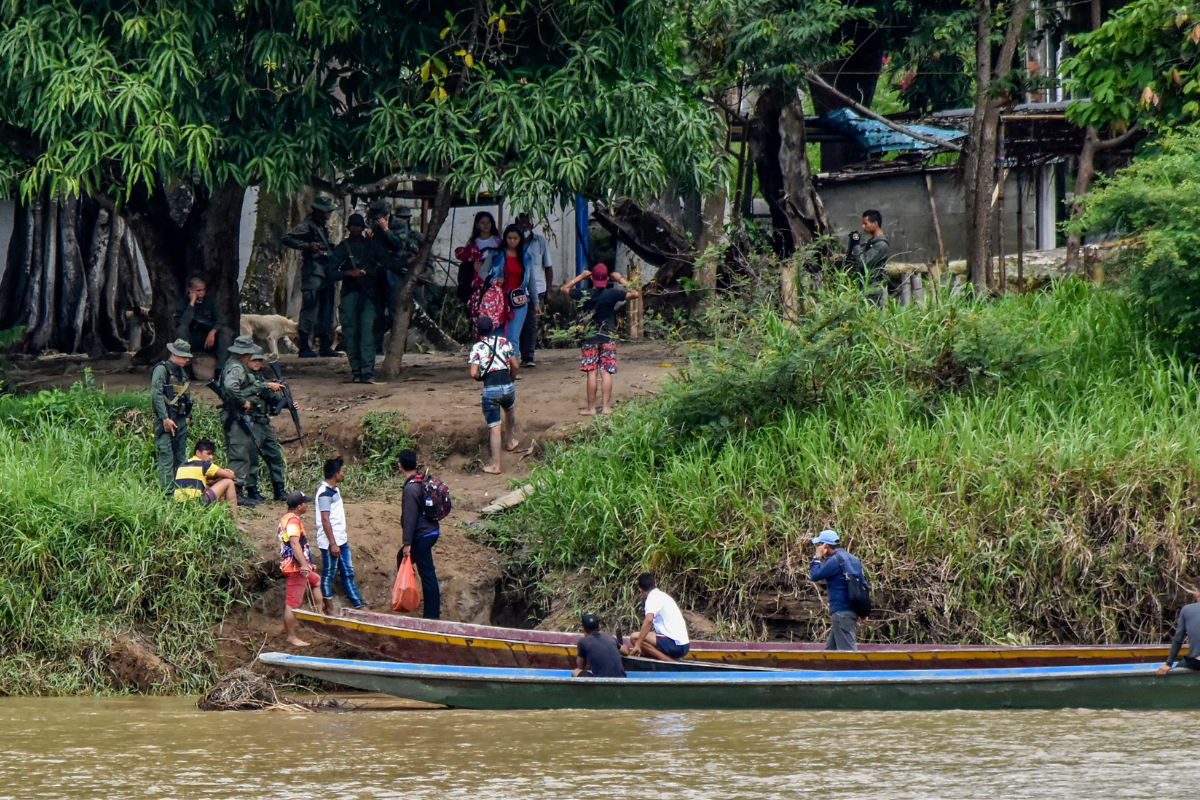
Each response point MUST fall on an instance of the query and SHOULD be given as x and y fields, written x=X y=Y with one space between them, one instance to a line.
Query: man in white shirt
x=664 y=633
x=537 y=258
x=332 y=539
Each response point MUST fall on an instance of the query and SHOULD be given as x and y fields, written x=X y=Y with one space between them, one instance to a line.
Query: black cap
x=294 y=499
x=380 y=208
x=485 y=325
x=590 y=622
x=356 y=219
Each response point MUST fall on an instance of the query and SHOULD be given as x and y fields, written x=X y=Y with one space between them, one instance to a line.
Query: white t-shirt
x=538 y=258
x=492 y=354
x=668 y=620
x=330 y=499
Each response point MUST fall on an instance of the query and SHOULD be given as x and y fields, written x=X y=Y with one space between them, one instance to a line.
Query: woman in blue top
x=511 y=268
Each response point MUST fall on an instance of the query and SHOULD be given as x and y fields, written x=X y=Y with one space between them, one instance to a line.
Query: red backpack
x=435 y=502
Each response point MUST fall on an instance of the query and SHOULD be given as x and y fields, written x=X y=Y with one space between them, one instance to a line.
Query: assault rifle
x=288 y=401
x=235 y=412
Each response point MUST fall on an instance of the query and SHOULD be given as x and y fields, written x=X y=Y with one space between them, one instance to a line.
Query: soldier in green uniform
x=399 y=245
x=244 y=388
x=270 y=397
x=356 y=262
x=311 y=237
x=172 y=411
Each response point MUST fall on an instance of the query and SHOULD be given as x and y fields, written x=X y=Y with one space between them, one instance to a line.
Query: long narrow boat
x=423 y=641
x=1125 y=686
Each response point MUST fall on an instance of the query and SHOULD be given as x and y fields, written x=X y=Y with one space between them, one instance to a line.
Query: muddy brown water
x=166 y=748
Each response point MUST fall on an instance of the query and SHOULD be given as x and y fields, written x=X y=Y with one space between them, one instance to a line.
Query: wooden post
x=936 y=275
x=790 y=293
x=1020 y=235
x=1000 y=210
x=637 y=323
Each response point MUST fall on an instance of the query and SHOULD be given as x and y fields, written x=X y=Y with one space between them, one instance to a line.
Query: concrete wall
x=558 y=228
x=903 y=201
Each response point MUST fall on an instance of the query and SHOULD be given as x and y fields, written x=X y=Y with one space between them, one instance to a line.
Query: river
x=165 y=748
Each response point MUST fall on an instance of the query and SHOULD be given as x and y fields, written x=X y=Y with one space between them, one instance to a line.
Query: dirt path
x=442 y=403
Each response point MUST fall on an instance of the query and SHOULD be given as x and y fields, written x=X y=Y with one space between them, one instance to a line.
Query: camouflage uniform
x=240 y=384
x=317 y=292
x=871 y=257
x=362 y=298
x=398 y=244
x=170 y=398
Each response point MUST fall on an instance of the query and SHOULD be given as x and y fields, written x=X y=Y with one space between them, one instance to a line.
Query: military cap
x=404 y=211
x=259 y=356
x=380 y=208
x=181 y=348
x=356 y=219
x=244 y=345
x=323 y=203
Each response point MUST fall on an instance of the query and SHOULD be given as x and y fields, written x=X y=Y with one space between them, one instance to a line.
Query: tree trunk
x=214 y=251
x=1083 y=181
x=73 y=303
x=784 y=176
x=37 y=266
x=402 y=310
x=97 y=258
x=111 y=326
x=856 y=76
x=40 y=336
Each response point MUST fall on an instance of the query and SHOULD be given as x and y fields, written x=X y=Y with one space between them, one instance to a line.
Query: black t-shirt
x=601 y=306
x=603 y=655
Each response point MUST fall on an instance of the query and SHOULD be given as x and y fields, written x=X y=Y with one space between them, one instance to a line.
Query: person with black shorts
x=200 y=479
x=598 y=655
x=598 y=324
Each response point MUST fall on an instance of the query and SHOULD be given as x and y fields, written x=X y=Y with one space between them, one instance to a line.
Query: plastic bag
x=406 y=593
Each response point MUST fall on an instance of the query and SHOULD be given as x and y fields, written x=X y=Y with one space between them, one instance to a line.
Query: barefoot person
x=664 y=633
x=1187 y=627
x=598 y=307
x=296 y=562
x=494 y=362
x=201 y=479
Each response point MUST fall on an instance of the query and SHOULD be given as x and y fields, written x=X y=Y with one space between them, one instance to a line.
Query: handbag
x=517 y=298
x=406 y=592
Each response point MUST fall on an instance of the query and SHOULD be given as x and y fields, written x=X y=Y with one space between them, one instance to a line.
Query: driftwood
x=652 y=237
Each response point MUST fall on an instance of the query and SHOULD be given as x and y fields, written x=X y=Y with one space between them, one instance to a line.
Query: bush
x=1156 y=201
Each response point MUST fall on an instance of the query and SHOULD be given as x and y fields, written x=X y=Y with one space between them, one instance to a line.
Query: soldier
x=399 y=247
x=172 y=411
x=871 y=257
x=200 y=322
x=356 y=262
x=316 y=312
x=245 y=389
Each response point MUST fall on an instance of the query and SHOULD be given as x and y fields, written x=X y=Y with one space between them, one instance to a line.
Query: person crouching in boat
x=831 y=564
x=668 y=641
x=1187 y=627
x=598 y=655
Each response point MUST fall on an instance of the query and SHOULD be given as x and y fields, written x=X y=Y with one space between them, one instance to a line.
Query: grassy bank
x=1022 y=469
x=91 y=550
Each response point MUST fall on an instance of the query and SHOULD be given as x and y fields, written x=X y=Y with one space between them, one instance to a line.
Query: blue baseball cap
x=828 y=537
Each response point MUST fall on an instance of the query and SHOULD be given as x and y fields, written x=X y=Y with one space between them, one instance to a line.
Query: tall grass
x=1022 y=469
x=91 y=549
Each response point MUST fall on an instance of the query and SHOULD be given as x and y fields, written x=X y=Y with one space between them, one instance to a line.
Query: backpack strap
x=845 y=572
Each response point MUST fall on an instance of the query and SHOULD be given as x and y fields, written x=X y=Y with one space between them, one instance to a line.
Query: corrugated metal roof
x=877 y=138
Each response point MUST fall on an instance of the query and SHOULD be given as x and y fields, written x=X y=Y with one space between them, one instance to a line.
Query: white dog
x=270 y=328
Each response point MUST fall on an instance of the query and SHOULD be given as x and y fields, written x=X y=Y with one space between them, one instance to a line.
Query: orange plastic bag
x=406 y=593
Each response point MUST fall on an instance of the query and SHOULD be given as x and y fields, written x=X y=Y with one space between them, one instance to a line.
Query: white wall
x=8 y=210
x=558 y=228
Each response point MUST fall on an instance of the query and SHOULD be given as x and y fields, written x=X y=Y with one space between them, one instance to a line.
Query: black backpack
x=435 y=497
x=857 y=590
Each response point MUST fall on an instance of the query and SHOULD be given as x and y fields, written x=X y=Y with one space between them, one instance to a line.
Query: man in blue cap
x=831 y=564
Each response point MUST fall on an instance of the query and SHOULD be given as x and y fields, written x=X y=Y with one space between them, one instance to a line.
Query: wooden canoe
x=423 y=641
x=1114 y=686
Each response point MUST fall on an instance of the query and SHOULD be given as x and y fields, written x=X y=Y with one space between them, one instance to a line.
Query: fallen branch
x=869 y=114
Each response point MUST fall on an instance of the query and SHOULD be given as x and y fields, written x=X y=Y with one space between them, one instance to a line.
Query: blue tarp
x=877 y=138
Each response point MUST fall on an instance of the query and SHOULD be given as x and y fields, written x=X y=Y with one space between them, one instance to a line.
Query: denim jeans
x=422 y=556
x=345 y=566
x=496 y=398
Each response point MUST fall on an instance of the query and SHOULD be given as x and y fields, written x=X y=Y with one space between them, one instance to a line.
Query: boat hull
x=1128 y=686
x=421 y=641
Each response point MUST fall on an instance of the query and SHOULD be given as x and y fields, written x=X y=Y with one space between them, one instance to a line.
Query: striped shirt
x=191 y=479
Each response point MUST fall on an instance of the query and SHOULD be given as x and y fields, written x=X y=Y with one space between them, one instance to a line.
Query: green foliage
x=541 y=99
x=92 y=550
x=384 y=435
x=1139 y=67
x=1024 y=468
x=1157 y=201
x=934 y=67
x=7 y=337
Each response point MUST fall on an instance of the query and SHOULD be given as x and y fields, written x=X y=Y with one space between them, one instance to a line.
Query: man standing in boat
x=664 y=633
x=832 y=564
x=1187 y=627
x=598 y=655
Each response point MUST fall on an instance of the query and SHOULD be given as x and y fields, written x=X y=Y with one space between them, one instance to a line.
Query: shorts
x=208 y=498
x=599 y=356
x=495 y=398
x=671 y=647
x=295 y=587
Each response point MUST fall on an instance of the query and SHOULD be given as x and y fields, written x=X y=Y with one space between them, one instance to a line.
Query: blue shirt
x=830 y=571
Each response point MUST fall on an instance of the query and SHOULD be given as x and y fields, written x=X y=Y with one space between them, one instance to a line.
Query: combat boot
x=247 y=500
x=280 y=491
x=326 y=350
x=252 y=493
x=305 y=350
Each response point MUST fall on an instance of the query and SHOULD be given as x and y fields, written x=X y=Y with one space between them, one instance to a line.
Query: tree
x=1136 y=73
x=165 y=111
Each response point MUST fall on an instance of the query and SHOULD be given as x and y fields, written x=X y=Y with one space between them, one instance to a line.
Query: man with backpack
x=493 y=361
x=849 y=594
x=421 y=531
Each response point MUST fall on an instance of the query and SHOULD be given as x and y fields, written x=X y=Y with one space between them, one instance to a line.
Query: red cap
x=600 y=276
